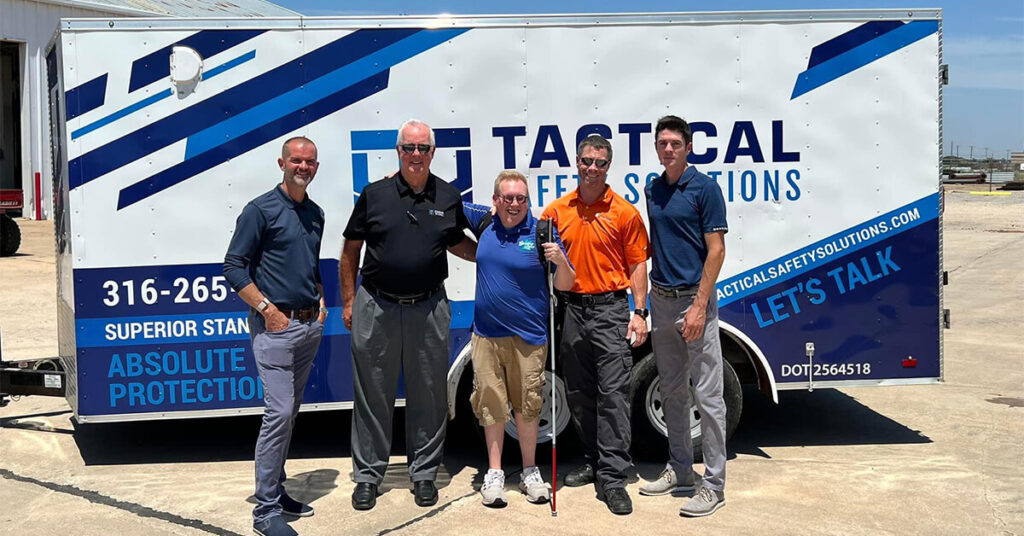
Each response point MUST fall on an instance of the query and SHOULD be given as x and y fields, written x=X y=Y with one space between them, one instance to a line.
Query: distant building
x=1017 y=161
x=26 y=28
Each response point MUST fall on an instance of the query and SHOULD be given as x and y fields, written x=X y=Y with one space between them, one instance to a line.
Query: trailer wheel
x=562 y=413
x=10 y=236
x=649 y=426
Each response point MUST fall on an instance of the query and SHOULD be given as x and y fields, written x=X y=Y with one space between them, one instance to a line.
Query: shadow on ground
x=824 y=417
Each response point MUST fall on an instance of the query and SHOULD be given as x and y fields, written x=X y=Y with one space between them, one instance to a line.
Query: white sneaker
x=493 y=490
x=532 y=484
x=704 y=503
x=667 y=483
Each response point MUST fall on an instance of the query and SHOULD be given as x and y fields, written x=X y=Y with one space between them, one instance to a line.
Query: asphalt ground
x=938 y=459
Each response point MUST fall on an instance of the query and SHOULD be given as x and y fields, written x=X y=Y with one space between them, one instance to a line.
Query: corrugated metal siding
x=206 y=8
x=34 y=23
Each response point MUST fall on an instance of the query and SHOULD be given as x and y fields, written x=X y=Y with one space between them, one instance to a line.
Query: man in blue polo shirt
x=510 y=330
x=687 y=218
x=273 y=262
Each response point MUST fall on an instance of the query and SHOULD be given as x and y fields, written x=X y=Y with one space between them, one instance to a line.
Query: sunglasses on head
x=600 y=162
x=409 y=148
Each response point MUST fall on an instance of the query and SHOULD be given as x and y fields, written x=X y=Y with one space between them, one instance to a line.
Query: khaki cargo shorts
x=506 y=371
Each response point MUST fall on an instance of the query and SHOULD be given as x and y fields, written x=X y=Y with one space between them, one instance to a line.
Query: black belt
x=405 y=299
x=302 y=315
x=586 y=300
x=674 y=292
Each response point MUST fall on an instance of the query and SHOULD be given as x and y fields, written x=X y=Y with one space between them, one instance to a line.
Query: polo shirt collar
x=684 y=179
x=429 y=190
x=605 y=198
x=520 y=229
x=288 y=199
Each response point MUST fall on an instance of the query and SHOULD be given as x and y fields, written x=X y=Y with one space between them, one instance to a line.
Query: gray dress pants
x=388 y=338
x=598 y=368
x=283 y=360
x=679 y=361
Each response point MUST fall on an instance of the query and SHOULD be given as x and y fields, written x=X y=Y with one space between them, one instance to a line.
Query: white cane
x=554 y=380
x=554 y=384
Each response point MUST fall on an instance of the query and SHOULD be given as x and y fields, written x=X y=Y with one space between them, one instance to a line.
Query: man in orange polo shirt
x=607 y=243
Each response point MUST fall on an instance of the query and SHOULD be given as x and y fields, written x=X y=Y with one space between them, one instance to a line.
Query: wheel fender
x=759 y=360
x=455 y=371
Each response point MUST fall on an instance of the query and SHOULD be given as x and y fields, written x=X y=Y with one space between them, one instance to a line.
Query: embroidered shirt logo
x=435 y=212
x=527 y=244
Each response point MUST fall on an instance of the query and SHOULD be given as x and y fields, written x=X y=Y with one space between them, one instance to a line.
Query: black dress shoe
x=582 y=476
x=425 y=492
x=365 y=496
x=618 y=501
x=291 y=507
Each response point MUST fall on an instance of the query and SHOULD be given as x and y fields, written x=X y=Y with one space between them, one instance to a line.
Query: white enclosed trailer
x=823 y=130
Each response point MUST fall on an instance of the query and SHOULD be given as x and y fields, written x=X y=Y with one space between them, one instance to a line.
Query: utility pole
x=972 y=151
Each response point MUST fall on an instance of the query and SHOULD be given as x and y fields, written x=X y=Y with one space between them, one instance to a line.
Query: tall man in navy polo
x=510 y=331
x=686 y=211
x=273 y=264
x=399 y=317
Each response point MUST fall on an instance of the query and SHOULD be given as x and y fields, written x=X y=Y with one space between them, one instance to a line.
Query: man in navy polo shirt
x=686 y=211
x=273 y=263
x=510 y=330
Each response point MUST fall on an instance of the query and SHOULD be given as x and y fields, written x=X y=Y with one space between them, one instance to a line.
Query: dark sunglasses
x=409 y=148
x=521 y=199
x=600 y=162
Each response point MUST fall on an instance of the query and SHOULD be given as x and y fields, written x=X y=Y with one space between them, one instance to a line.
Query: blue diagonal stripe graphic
x=229 y=103
x=862 y=55
x=132 y=108
x=155 y=65
x=851 y=39
x=288 y=112
x=86 y=97
x=314 y=90
x=250 y=140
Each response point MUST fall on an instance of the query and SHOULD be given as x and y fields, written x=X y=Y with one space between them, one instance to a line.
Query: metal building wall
x=33 y=24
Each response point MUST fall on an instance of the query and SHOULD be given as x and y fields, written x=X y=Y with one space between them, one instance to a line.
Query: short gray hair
x=415 y=122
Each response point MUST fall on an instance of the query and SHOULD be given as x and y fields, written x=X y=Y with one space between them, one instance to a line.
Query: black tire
x=10 y=236
x=649 y=429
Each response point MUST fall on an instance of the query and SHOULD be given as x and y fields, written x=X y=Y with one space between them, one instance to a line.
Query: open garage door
x=10 y=116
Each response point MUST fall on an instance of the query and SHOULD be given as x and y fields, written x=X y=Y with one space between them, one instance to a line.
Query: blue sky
x=983 y=43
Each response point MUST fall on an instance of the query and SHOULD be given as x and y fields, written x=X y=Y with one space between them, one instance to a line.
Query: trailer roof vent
x=186 y=70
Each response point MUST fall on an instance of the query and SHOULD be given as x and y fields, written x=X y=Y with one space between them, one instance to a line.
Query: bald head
x=293 y=143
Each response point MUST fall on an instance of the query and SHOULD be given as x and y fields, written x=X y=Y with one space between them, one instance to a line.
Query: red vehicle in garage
x=10 y=234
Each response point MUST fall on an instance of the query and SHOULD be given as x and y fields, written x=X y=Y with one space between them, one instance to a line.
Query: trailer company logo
x=364 y=142
x=863 y=269
x=756 y=165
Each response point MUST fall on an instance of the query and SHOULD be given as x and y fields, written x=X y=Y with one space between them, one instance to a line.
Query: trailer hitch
x=17 y=379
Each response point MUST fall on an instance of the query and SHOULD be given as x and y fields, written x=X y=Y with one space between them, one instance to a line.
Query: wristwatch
x=262 y=305
x=644 y=313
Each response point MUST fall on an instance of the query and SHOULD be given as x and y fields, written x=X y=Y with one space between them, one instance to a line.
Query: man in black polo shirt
x=273 y=264
x=399 y=317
